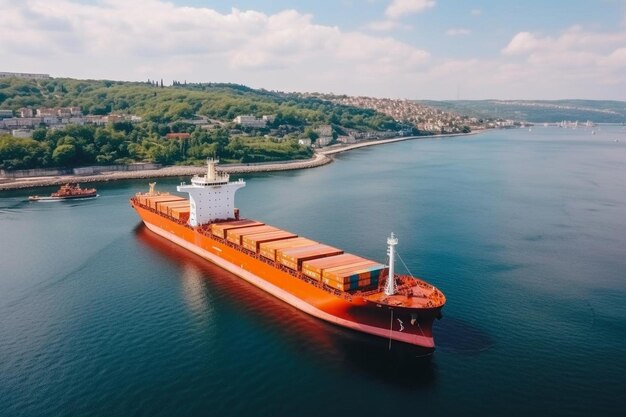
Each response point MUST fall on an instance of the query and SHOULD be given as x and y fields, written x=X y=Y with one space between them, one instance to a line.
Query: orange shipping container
x=142 y=199
x=180 y=214
x=164 y=206
x=315 y=267
x=252 y=242
x=176 y=203
x=168 y=206
x=293 y=258
x=220 y=229
x=354 y=273
x=152 y=201
x=235 y=235
x=172 y=200
x=183 y=217
x=269 y=249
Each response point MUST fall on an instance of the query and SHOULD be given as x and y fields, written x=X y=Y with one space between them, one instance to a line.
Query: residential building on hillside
x=323 y=141
x=25 y=112
x=22 y=133
x=250 y=121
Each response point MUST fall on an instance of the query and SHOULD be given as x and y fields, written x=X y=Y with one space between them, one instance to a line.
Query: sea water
x=524 y=231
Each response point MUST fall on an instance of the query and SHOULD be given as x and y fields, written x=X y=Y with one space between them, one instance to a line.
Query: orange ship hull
x=408 y=325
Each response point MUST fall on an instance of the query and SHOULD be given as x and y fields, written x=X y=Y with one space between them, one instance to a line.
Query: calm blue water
x=525 y=232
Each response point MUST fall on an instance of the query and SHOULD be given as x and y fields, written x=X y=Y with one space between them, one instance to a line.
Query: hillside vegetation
x=538 y=111
x=164 y=110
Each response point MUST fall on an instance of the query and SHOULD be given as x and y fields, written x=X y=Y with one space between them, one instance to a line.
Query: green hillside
x=164 y=110
x=538 y=111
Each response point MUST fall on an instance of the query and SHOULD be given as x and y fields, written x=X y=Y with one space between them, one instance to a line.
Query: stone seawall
x=170 y=171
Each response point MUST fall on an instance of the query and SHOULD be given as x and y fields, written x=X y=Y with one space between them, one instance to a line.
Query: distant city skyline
x=416 y=49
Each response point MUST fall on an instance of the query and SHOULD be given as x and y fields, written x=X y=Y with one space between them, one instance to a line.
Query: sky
x=414 y=49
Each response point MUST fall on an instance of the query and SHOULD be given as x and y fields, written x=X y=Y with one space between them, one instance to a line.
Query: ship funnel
x=390 y=287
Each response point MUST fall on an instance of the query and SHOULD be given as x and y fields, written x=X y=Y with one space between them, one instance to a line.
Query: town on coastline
x=50 y=126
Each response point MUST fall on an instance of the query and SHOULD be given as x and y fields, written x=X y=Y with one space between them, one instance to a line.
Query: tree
x=63 y=154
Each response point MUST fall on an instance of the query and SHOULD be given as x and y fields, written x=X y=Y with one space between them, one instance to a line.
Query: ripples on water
x=524 y=232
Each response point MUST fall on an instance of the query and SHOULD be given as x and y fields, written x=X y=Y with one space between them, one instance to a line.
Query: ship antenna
x=390 y=287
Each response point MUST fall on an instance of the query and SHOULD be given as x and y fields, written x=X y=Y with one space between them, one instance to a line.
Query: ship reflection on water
x=328 y=345
x=194 y=290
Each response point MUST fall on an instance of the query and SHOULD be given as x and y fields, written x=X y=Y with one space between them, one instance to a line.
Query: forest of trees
x=162 y=109
x=123 y=142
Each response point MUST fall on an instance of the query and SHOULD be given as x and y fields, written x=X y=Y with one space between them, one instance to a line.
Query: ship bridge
x=211 y=196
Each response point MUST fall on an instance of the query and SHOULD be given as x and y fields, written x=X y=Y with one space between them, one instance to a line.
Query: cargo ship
x=67 y=192
x=318 y=279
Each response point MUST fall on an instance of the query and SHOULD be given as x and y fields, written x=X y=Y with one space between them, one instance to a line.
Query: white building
x=250 y=121
x=346 y=139
x=325 y=133
x=22 y=133
x=304 y=142
x=26 y=112
x=323 y=141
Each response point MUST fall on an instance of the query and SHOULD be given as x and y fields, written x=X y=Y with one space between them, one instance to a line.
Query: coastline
x=321 y=158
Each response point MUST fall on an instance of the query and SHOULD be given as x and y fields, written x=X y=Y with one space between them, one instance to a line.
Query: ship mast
x=390 y=287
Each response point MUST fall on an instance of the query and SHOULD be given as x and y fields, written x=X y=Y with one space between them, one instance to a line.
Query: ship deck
x=412 y=293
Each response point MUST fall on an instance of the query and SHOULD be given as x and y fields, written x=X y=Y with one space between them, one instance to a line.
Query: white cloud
x=289 y=51
x=112 y=39
x=399 y=8
x=521 y=43
x=387 y=26
x=476 y=12
x=574 y=57
x=458 y=32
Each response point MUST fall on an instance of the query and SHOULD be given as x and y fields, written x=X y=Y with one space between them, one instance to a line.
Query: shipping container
x=235 y=235
x=164 y=206
x=172 y=210
x=354 y=273
x=180 y=214
x=252 y=242
x=268 y=249
x=351 y=285
x=177 y=203
x=292 y=258
x=313 y=268
x=152 y=201
x=220 y=229
x=169 y=205
x=141 y=198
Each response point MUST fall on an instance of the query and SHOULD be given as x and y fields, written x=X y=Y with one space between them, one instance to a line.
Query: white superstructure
x=211 y=196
